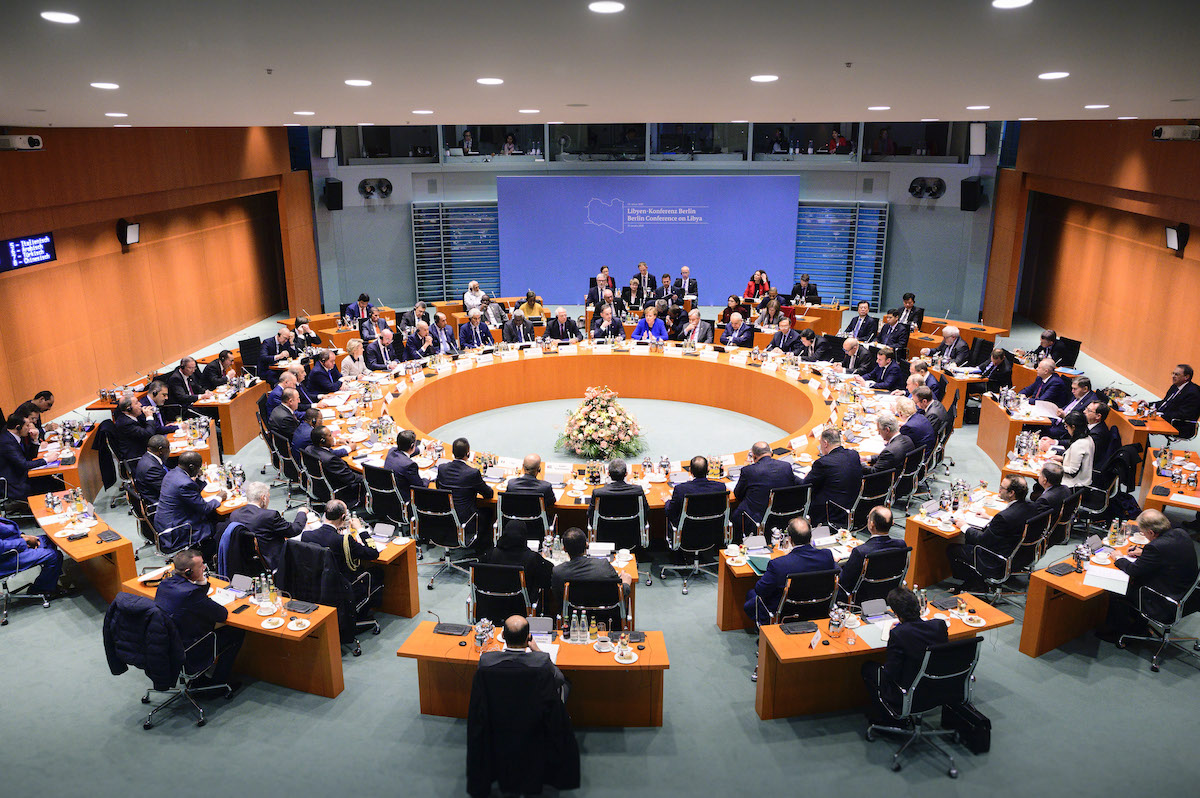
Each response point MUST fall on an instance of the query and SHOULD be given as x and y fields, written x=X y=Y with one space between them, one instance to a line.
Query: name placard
x=443 y=368
x=738 y=360
x=673 y=351
x=464 y=364
x=510 y=355
x=484 y=360
x=418 y=377
x=602 y=349
x=569 y=349
x=533 y=351
x=709 y=354
x=640 y=350
x=792 y=374
x=770 y=366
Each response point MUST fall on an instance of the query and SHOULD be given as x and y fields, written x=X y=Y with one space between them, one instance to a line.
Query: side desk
x=998 y=430
x=106 y=565
x=1057 y=610
x=238 y=424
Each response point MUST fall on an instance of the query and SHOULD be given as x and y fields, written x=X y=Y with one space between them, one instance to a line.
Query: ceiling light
x=422 y=111
x=978 y=107
x=358 y=83
x=606 y=7
x=528 y=111
x=489 y=81
x=764 y=78
x=1097 y=107
x=109 y=86
x=1054 y=75
x=292 y=124
x=879 y=107
x=60 y=17
x=1126 y=117
x=116 y=114
x=931 y=119
x=1007 y=4
x=365 y=124
x=1027 y=119
x=122 y=125
x=739 y=121
x=304 y=113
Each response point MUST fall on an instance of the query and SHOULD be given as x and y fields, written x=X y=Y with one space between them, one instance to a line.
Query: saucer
x=633 y=657
x=736 y=561
x=945 y=527
x=1139 y=539
x=576 y=494
x=299 y=624
x=266 y=609
x=1102 y=559
x=272 y=623
x=853 y=622
x=974 y=620
x=597 y=647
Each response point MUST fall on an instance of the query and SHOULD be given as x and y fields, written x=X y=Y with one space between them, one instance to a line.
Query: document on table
x=1044 y=408
x=1110 y=579
x=871 y=634
x=544 y=644
x=1179 y=498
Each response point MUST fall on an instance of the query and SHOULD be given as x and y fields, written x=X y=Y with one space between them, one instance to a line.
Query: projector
x=1176 y=133
x=20 y=142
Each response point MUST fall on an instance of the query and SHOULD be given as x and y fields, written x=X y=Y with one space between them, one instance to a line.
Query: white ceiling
x=205 y=62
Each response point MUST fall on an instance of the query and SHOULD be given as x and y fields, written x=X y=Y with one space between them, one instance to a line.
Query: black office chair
x=1070 y=350
x=981 y=352
x=1162 y=613
x=497 y=593
x=881 y=572
x=143 y=511
x=289 y=468
x=1060 y=532
x=807 y=596
x=784 y=504
x=908 y=479
x=321 y=489
x=436 y=522
x=602 y=599
x=943 y=679
x=384 y=498
x=619 y=519
x=10 y=566
x=260 y=415
x=874 y=490
x=1019 y=561
x=704 y=526
x=121 y=467
x=527 y=506
x=249 y=349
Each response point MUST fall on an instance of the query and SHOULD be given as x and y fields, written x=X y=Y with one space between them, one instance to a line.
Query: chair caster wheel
x=870 y=735
x=952 y=773
x=376 y=630
x=112 y=505
x=895 y=767
x=649 y=581
x=429 y=586
x=201 y=722
x=685 y=590
x=1154 y=669
x=147 y=725
x=145 y=699
x=357 y=652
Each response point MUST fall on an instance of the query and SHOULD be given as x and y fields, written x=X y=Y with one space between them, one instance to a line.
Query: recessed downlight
x=879 y=107
x=1054 y=75
x=978 y=107
x=764 y=78
x=422 y=111
x=489 y=81
x=931 y=119
x=1027 y=119
x=304 y=113
x=358 y=83
x=1124 y=118
x=108 y=86
x=1007 y=4
x=739 y=121
x=606 y=7
x=61 y=17
x=365 y=124
x=122 y=125
x=292 y=124
x=116 y=114
x=1096 y=107
x=528 y=111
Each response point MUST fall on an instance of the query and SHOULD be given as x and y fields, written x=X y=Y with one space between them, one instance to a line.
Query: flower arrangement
x=600 y=428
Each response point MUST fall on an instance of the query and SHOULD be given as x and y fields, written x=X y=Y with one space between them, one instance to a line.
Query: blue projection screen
x=556 y=232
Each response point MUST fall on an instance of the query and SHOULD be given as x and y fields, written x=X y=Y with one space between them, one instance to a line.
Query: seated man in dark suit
x=303 y=335
x=519 y=647
x=892 y=333
x=581 y=566
x=351 y=548
x=284 y=418
x=952 y=349
x=466 y=483
x=181 y=505
x=1050 y=347
x=699 y=483
x=896 y=446
x=737 y=332
x=997 y=372
x=302 y=437
x=408 y=321
x=921 y=369
x=513 y=549
x=1096 y=415
x=805 y=292
x=617 y=471
x=763 y=599
x=563 y=328
x=1053 y=492
x=686 y=286
x=887 y=374
x=274 y=350
x=325 y=377
x=1082 y=395
x=32 y=551
x=906 y=646
x=264 y=523
x=696 y=329
x=215 y=374
x=184 y=596
x=856 y=358
x=668 y=292
x=1048 y=386
x=932 y=409
x=474 y=333
x=753 y=488
x=879 y=525
x=517 y=330
x=347 y=484
x=183 y=387
x=529 y=482
x=910 y=314
x=155 y=398
x=370 y=327
x=400 y=462
x=420 y=343
x=1001 y=536
x=151 y=468
x=915 y=425
x=15 y=463
x=444 y=340
x=133 y=427
x=808 y=350
x=786 y=340
x=605 y=326
x=836 y=477
x=863 y=326
x=1181 y=404
x=1166 y=564
x=384 y=353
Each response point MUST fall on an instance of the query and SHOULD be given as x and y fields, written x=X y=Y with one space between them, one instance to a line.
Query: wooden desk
x=959 y=384
x=967 y=330
x=603 y=691
x=309 y=661
x=139 y=389
x=84 y=473
x=179 y=445
x=796 y=679
x=918 y=341
x=1057 y=610
x=825 y=319
x=238 y=424
x=1180 y=497
x=998 y=430
x=928 y=563
x=328 y=321
x=1140 y=435
x=401 y=593
x=106 y=565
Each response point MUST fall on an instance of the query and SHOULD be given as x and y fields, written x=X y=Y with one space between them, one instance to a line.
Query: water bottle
x=574 y=627
x=810 y=147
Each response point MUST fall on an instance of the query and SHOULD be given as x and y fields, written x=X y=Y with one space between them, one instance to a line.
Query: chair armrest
x=1000 y=560
x=211 y=638
x=1141 y=598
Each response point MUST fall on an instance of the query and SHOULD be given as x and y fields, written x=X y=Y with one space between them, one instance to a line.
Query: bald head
x=531 y=465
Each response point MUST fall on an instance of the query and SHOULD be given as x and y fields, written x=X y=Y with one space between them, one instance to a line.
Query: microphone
x=435 y=615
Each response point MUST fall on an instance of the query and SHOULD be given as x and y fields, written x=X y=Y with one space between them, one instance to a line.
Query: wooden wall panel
x=1008 y=230
x=298 y=245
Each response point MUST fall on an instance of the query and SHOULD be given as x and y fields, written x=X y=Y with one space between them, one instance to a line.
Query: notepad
x=1102 y=576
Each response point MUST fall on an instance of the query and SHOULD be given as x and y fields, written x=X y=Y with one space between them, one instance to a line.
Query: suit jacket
x=998 y=376
x=406 y=471
x=446 y=333
x=886 y=378
x=1167 y=564
x=267 y=524
x=876 y=544
x=743 y=336
x=1102 y=437
x=537 y=568
x=753 y=489
x=1052 y=499
x=130 y=436
x=283 y=421
x=1003 y=533
x=494 y=315
x=582 y=567
x=619 y=489
x=409 y=320
x=180 y=502
x=322 y=381
x=938 y=417
x=311 y=338
x=563 y=332
x=920 y=430
x=1054 y=389
x=354 y=311
x=615 y=328
x=369 y=330
x=211 y=376
x=893 y=454
x=415 y=347
x=801 y=294
x=1181 y=404
x=148 y=476
x=183 y=390
x=915 y=317
x=672 y=295
x=808 y=354
x=193 y=612
x=692 y=288
x=328 y=537
x=469 y=338
x=1055 y=352
x=864 y=330
x=704 y=332
x=932 y=383
x=15 y=466
x=525 y=484
x=958 y=352
x=510 y=332
x=302 y=437
x=377 y=355
x=789 y=344
x=1074 y=404
x=465 y=482
x=905 y=652
x=266 y=356
x=835 y=477
x=337 y=472
x=635 y=300
x=769 y=587
x=894 y=335
x=674 y=506
x=860 y=362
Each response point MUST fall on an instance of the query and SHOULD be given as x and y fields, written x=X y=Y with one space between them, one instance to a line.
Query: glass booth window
x=823 y=138
x=394 y=143
x=906 y=139
x=611 y=142
x=491 y=139
x=698 y=140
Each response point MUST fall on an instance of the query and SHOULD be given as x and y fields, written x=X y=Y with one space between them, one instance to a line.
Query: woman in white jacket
x=1080 y=457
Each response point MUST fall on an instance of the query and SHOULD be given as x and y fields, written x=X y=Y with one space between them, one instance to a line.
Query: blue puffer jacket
x=137 y=632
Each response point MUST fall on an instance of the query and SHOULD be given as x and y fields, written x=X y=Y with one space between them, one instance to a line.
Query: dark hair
x=225 y=353
x=315 y=437
x=460 y=448
x=1076 y=420
x=1084 y=381
x=405 y=439
x=909 y=295
x=1018 y=486
x=699 y=466
x=45 y=396
x=1050 y=335
x=1053 y=472
x=1187 y=370
x=1101 y=410
x=191 y=463
x=893 y=312
x=617 y=469
x=808 y=334
x=516 y=628
x=799 y=531
x=15 y=420
x=574 y=542
x=182 y=560
x=335 y=510
x=923 y=393
x=124 y=404
x=155 y=386
x=880 y=519
x=312 y=415
x=863 y=302
x=903 y=602
x=158 y=443
x=364 y=298
x=887 y=352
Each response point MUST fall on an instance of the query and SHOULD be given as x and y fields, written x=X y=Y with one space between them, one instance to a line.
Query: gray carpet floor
x=1087 y=718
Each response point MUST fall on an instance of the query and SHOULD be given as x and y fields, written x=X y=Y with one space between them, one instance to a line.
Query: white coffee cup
x=624 y=554
x=732 y=550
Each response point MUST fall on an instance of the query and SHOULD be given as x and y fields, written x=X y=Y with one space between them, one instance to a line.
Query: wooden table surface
x=967 y=330
x=106 y=565
x=84 y=472
x=998 y=430
x=1179 y=496
x=238 y=424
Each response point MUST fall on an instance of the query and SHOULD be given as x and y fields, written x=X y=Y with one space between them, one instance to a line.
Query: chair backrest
x=620 y=520
x=384 y=493
x=1060 y=532
x=951 y=414
x=434 y=518
x=874 y=490
x=497 y=592
x=880 y=573
x=906 y=480
x=281 y=449
x=602 y=599
x=1070 y=350
x=944 y=676
x=249 y=348
x=1032 y=541
x=704 y=523
x=319 y=488
x=807 y=596
x=143 y=514
x=527 y=506
x=784 y=504
x=981 y=351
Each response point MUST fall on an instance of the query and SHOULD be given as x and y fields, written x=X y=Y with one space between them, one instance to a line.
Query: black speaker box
x=971 y=196
x=333 y=194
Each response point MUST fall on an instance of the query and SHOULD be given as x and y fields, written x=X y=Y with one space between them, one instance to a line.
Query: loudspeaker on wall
x=971 y=194
x=328 y=142
x=333 y=194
